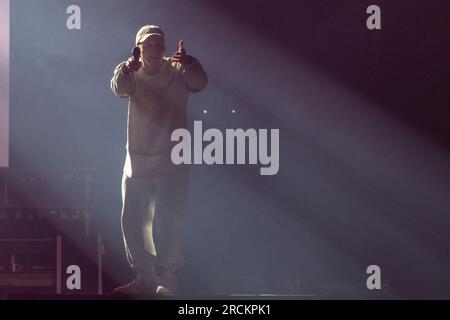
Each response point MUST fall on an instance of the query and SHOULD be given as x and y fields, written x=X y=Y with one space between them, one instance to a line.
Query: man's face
x=153 y=47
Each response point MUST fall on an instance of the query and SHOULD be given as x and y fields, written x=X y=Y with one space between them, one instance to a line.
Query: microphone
x=136 y=53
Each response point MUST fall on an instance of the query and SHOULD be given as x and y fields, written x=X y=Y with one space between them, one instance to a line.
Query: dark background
x=364 y=136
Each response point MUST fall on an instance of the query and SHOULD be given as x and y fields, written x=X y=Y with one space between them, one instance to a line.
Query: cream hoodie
x=157 y=106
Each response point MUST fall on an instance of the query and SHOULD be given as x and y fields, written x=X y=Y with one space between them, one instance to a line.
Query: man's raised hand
x=181 y=56
x=133 y=63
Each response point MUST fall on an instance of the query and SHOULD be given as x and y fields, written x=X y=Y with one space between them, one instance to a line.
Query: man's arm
x=195 y=76
x=123 y=82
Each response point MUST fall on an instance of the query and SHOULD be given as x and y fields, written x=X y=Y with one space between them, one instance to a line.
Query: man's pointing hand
x=181 y=56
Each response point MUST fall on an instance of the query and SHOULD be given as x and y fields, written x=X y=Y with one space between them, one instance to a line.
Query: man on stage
x=154 y=190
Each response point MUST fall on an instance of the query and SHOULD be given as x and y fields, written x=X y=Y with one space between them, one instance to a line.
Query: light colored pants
x=161 y=203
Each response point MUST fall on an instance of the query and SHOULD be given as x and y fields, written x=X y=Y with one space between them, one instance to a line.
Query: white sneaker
x=139 y=286
x=167 y=283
